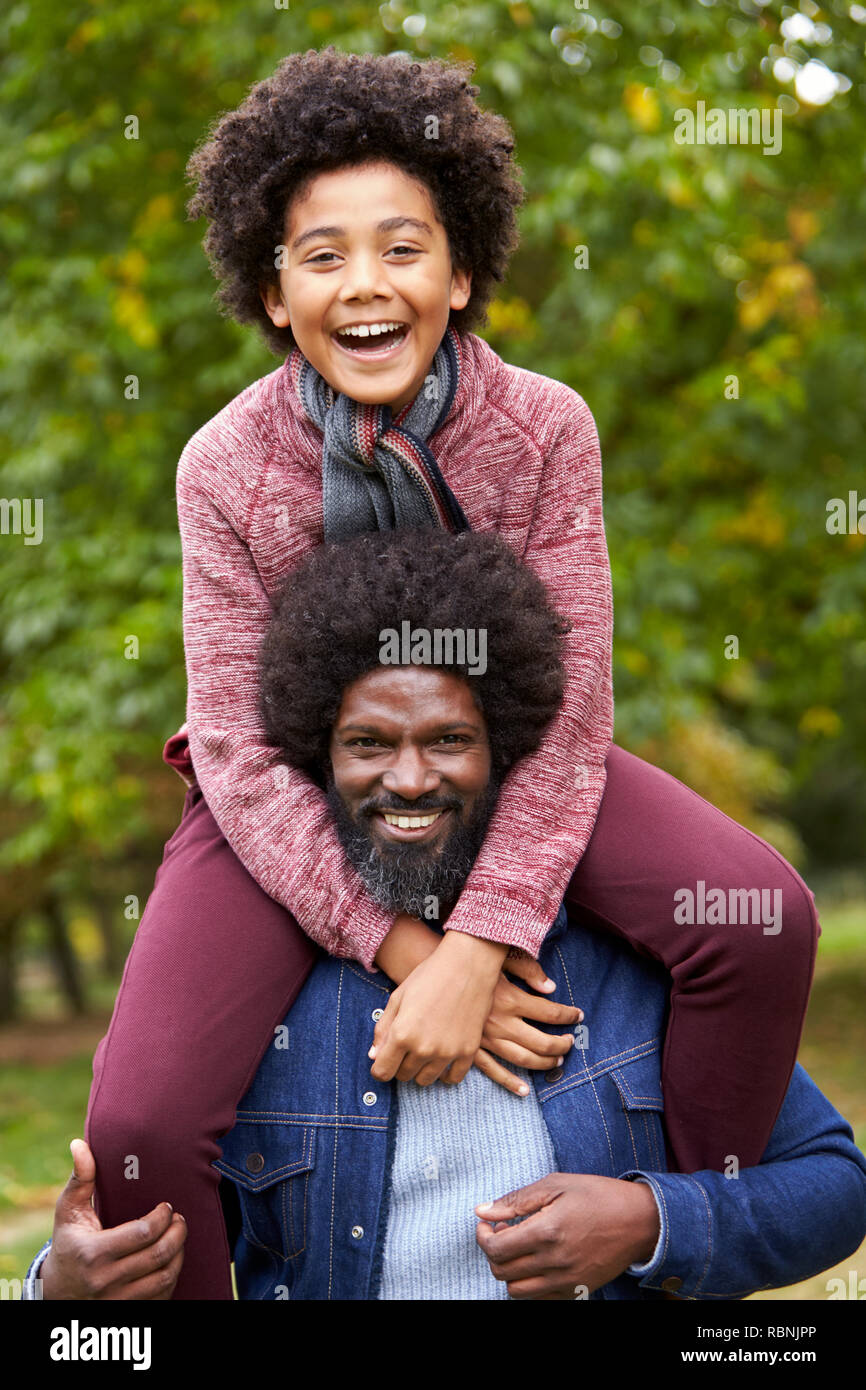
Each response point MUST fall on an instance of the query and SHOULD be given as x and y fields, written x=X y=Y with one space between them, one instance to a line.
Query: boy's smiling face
x=366 y=249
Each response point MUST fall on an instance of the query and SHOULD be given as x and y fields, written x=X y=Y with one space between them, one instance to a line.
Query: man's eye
x=364 y=742
x=458 y=738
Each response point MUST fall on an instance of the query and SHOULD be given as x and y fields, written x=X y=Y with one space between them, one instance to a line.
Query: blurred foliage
x=704 y=263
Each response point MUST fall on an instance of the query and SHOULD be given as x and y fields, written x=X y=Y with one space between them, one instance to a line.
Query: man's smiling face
x=412 y=789
x=367 y=252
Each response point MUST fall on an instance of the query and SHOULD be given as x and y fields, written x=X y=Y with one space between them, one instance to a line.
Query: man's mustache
x=431 y=802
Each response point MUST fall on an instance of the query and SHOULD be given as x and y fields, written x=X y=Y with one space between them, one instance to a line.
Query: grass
x=45 y=1073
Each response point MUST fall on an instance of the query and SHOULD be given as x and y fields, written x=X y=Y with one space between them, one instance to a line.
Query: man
x=352 y=1185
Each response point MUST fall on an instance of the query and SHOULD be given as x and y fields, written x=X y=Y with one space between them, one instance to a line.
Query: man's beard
x=406 y=876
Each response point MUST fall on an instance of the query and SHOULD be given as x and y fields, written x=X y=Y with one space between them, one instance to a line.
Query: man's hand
x=579 y=1231
x=435 y=1019
x=138 y=1260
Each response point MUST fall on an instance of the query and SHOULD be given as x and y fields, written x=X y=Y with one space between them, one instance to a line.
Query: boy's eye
x=408 y=250
x=321 y=256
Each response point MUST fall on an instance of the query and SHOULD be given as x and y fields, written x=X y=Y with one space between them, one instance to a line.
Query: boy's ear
x=275 y=306
x=461 y=288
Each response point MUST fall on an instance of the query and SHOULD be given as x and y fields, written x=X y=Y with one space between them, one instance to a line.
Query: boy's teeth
x=369 y=330
x=410 y=822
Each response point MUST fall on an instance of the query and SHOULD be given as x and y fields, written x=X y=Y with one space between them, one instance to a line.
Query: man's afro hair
x=328 y=618
x=326 y=110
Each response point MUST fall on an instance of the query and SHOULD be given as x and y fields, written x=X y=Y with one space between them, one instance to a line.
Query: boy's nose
x=364 y=278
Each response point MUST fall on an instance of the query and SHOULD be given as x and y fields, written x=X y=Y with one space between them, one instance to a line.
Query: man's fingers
x=83 y=1162
x=501 y=1075
x=534 y=1264
x=134 y=1236
x=512 y=1243
x=157 y=1286
x=539 y=1288
x=150 y=1263
x=523 y=1202
x=75 y=1199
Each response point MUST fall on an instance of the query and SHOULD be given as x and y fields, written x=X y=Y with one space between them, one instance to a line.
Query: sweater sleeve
x=274 y=817
x=549 y=800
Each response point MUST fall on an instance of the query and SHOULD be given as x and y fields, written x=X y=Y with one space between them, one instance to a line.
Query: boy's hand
x=138 y=1260
x=435 y=1019
x=508 y=1035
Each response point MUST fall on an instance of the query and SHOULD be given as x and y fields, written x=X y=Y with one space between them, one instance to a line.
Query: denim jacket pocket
x=271 y=1166
x=638 y=1109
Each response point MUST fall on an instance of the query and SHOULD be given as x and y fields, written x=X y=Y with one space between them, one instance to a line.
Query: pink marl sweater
x=521 y=453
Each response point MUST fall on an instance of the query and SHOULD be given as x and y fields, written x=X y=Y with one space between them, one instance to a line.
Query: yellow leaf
x=803 y=225
x=642 y=104
x=634 y=660
x=521 y=14
x=512 y=318
x=86 y=33
x=678 y=192
x=761 y=523
x=157 y=211
x=129 y=309
x=820 y=720
x=132 y=267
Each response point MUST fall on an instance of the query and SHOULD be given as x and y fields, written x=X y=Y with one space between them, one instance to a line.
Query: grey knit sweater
x=456 y=1146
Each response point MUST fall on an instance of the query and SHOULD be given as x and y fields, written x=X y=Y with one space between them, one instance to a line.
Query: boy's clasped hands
x=454 y=1006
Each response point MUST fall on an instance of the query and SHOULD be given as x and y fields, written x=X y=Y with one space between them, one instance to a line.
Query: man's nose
x=411 y=776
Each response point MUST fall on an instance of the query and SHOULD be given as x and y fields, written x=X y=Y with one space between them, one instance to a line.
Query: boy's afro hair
x=327 y=110
x=329 y=617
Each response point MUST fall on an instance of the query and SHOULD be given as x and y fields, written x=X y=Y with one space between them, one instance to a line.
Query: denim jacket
x=310 y=1153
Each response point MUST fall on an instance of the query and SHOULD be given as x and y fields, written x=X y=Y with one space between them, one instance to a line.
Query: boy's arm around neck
x=275 y=819
x=549 y=801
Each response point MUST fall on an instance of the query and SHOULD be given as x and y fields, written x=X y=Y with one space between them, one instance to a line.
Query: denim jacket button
x=255 y=1163
x=377 y=1014
x=357 y=1232
x=554 y=1074
x=672 y=1284
x=369 y=1097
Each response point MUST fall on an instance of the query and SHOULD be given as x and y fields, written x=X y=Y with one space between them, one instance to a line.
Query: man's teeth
x=410 y=822
x=370 y=330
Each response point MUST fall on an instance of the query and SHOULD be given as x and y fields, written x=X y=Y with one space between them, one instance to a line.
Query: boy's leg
x=213 y=969
x=739 y=991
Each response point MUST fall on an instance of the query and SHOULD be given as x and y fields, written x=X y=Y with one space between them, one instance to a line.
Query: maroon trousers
x=216 y=964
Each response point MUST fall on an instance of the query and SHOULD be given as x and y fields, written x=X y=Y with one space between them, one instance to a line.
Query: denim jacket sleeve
x=801 y=1210
x=30 y=1288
